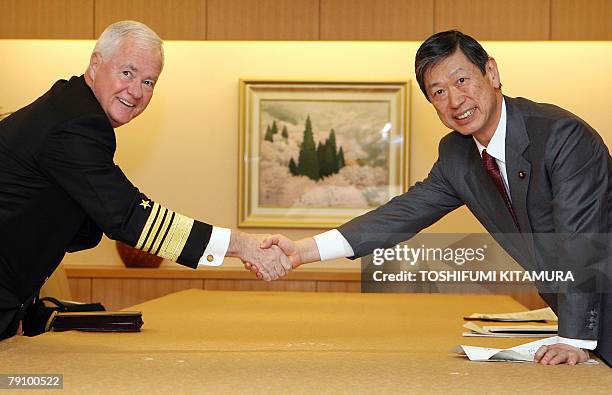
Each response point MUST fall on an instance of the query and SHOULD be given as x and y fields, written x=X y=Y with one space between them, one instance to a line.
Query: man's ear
x=94 y=62
x=493 y=73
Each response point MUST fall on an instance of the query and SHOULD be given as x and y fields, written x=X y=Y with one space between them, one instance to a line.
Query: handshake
x=269 y=257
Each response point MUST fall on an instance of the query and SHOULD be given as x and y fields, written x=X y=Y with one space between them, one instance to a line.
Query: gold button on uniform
x=210 y=258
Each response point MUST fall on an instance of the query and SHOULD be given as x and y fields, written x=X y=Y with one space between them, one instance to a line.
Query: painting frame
x=254 y=94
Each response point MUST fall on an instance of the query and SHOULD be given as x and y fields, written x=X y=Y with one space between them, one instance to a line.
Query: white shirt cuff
x=217 y=247
x=332 y=245
x=586 y=344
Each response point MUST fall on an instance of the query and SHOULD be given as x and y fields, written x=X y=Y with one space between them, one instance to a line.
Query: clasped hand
x=269 y=257
x=265 y=255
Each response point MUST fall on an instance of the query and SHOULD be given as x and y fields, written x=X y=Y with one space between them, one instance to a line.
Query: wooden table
x=266 y=342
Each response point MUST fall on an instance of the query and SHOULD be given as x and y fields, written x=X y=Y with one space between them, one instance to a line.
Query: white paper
x=522 y=353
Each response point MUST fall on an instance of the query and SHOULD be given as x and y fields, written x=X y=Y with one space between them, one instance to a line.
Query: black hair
x=442 y=45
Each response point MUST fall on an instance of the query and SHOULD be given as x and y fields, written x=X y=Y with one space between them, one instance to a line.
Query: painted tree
x=268 y=136
x=331 y=154
x=322 y=161
x=308 y=163
x=323 y=168
x=285 y=133
x=293 y=169
x=341 y=162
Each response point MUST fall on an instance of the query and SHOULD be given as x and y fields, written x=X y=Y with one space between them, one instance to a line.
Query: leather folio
x=96 y=321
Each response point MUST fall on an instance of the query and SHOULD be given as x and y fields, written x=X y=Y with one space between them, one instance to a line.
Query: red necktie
x=491 y=167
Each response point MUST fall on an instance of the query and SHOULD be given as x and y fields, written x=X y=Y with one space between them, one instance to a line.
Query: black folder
x=98 y=321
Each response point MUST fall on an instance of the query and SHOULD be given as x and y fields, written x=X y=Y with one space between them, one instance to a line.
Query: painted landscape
x=323 y=154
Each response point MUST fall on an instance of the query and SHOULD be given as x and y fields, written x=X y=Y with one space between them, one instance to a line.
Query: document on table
x=509 y=331
x=545 y=314
x=522 y=353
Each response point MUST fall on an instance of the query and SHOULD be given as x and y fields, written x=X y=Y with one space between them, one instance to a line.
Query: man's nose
x=455 y=97
x=135 y=89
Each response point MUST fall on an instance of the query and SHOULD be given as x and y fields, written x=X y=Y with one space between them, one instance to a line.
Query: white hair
x=114 y=35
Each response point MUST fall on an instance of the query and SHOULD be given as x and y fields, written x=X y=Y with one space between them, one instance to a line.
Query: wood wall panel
x=46 y=19
x=581 y=20
x=338 y=286
x=259 y=285
x=495 y=19
x=80 y=289
x=263 y=20
x=376 y=19
x=117 y=294
x=118 y=288
x=57 y=285
x=171 y=20
x=312 y=19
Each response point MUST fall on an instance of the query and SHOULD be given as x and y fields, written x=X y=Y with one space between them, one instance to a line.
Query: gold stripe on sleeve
x=174 y=243
x=154 y=228
x=162 y=230
x=147 y=227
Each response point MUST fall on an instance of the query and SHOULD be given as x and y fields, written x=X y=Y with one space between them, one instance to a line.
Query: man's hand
x=270 y=264
x=560 y=353
x=277 y=242
x=289 y=247
x=299 y=252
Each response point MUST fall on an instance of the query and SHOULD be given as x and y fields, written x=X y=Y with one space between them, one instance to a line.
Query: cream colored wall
x=183 y=151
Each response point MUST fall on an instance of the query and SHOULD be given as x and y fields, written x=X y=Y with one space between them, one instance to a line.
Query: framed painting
x=316 y=154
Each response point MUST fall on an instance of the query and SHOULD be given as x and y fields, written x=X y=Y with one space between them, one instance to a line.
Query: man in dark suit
x=60 y=189
x=537 y=177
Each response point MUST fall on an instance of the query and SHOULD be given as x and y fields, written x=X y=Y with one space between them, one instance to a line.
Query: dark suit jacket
x=562 y=203
x=60 y=189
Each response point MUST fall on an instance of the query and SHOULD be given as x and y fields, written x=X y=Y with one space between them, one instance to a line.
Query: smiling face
x=466 y=100
x=123 y=83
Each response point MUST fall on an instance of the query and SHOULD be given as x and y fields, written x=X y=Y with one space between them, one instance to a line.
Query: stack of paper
x=509 y=331
x=540 y=315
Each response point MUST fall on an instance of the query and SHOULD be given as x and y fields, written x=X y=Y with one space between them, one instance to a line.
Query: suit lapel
x=489 y=203
x=518 y=168
x=517 y=142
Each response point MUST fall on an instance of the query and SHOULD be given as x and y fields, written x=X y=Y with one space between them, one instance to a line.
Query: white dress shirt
x=217 y=247
x=332 y=244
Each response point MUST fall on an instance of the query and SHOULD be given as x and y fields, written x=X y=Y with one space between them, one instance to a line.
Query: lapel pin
x=521 y=174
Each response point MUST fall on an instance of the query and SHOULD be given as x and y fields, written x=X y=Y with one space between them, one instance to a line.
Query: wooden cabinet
x=118 y=287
